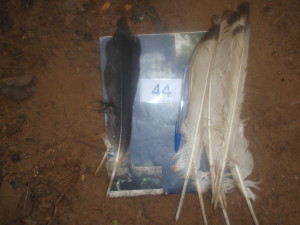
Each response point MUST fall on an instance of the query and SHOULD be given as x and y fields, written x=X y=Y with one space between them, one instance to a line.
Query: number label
x=156 y=90
x=160 y=90
x=166 y=90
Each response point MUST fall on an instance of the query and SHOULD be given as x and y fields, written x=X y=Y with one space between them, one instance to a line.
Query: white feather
x=230 y=81
x=188 y=157
x=215 y=103
x=235 y=151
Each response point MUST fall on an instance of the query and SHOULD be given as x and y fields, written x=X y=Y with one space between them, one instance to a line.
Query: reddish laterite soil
x=51 y=142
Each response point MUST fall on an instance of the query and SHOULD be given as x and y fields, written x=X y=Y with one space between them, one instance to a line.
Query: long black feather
x=121 y=76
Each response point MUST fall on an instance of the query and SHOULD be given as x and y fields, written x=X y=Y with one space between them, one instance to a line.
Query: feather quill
x=120 y=76
x=188 y=157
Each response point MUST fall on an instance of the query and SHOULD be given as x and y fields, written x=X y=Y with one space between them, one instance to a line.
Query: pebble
x=268 y=10
x=15 y=157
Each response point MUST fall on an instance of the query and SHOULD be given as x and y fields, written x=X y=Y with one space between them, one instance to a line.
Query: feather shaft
x=198 y=186
x=101 y=162
x=224 y=211
x=243 y=189
x=116 y=162
x=210 y=151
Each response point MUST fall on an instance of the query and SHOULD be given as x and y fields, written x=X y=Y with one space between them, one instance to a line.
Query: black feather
x=121 y=76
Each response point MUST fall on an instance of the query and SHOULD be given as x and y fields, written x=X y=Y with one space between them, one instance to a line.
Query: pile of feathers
x=213 y=124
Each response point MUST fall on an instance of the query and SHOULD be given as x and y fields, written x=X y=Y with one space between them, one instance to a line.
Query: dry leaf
x=128 y=7
x=105 y=7
x=83 y=172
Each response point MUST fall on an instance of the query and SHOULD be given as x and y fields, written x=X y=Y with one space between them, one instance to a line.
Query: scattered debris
x=104 y=7
x=138 y=13
x=128 y=7
x=56 y=204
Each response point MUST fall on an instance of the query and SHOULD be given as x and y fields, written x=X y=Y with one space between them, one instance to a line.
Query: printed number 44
x=165 y=90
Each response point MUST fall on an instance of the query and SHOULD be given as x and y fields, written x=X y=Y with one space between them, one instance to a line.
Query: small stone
x=27 y=3
x=282 y=149
x=115 y=222
x=128 y=7
x=268 y=10
x=46 y=205
x=28 y=139
x=15 y=157
x=50 y=151
x=87 y=37
x=17 y=88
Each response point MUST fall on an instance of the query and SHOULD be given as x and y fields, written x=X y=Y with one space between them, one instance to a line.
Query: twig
x=16 y=171
x=35 y=173
x=87 y=144
x=56 y=204
x=61 y=178
x=26 y=196
x=70 y=123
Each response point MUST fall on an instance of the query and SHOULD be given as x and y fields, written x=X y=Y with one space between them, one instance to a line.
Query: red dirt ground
x=57 y=132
